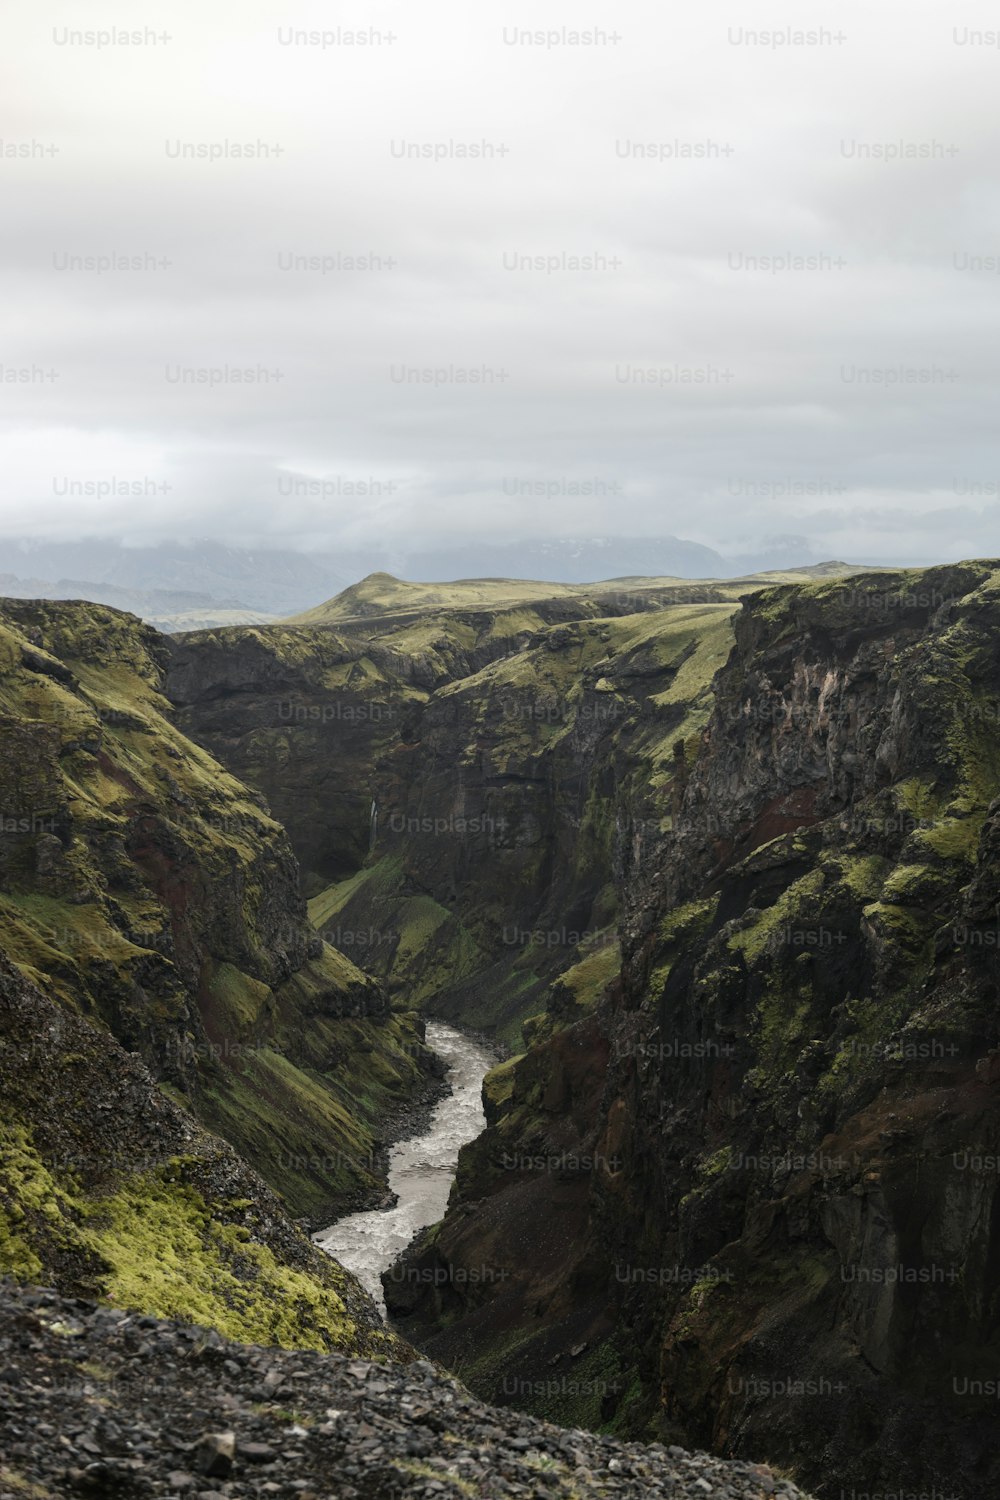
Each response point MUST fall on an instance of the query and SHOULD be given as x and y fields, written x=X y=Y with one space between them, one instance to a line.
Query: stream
x=421 y=1169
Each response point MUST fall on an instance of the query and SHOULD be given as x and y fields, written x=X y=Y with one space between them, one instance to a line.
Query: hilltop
x=382 y=594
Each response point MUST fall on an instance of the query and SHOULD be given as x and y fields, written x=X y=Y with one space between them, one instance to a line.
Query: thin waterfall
x=372 y=826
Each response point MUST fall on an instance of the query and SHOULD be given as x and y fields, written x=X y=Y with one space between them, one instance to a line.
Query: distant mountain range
x=172 y=578
x=185 y=586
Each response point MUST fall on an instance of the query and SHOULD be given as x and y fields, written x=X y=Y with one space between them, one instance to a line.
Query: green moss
x=781 y=1023
x=682 y=925
x=30 y=1489
x=155 y=1245
x=953 y=838
x=498 y=1085
x=914 y=884
x=236 y=1002
x=717 y=1163
x=172 y=1259
x=871 y=1023
x=31 y=1205
x=917 y=796
x=753 y=939
x=863 y=876
x=439 y=1475
x=708 y=1170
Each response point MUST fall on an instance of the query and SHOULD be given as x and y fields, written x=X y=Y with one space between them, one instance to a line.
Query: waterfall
x=372 y=826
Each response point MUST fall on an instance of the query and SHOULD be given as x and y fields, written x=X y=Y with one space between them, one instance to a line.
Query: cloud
x=744 y=284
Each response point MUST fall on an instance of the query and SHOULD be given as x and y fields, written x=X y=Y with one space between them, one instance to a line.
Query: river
x=421 y=1169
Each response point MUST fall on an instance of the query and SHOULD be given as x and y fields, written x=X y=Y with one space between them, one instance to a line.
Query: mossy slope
x=108 y=1189
x=148 y=888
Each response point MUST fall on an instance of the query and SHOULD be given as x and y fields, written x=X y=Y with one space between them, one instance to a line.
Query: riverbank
x=406 y=1119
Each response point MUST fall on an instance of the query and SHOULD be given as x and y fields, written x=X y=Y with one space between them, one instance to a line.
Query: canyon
x=712 y=863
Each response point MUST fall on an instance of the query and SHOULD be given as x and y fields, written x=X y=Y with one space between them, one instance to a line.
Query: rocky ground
x=98 y=1402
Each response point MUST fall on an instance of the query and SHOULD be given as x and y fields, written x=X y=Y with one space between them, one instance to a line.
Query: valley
x=712 y=866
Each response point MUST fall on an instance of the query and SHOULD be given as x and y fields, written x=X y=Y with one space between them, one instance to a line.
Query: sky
x=497 y=273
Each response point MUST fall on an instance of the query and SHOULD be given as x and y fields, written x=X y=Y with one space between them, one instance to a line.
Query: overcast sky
x=690 y=383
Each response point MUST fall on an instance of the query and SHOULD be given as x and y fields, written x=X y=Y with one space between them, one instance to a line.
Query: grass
x=153 y=1243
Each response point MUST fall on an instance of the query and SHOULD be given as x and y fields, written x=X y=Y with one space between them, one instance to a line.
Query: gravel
x=95 y=1402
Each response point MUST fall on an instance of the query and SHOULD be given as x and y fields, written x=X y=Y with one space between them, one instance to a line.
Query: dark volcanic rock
x=785 y=1238
x=80 y=1416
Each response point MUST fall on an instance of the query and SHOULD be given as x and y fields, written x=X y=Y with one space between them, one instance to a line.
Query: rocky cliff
x=461 y=783
x=145 y=886
x=755 y=1192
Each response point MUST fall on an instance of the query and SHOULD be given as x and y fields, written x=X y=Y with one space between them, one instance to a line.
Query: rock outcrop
x=144 y=886
x=757 y=1187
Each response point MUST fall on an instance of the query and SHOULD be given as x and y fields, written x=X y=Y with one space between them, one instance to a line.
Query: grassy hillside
x=109 y=1190
x=380 y=594
x=146 y=887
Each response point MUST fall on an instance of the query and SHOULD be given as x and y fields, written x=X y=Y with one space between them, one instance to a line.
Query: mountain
x=168 y=610
x=714 y=861
x=268 y=582
x=202 y=584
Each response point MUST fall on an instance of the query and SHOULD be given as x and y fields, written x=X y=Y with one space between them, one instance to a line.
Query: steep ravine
x=421 y=1166
x=515 y=757
x=163 y=994
x=768 y=1157
x=737 y=1187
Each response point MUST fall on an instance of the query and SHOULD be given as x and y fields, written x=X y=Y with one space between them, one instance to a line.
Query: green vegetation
x=154 y=1243
x=152 y=889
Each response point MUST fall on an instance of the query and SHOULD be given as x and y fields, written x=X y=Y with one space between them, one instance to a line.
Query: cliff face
x=755 y=1193
x=145 y=887
x=108 y=1189
x=472 y=777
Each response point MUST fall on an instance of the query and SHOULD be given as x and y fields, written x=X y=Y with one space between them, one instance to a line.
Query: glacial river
x=421 y=1169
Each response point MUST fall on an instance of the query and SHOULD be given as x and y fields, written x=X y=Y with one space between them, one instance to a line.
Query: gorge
x=714 y=865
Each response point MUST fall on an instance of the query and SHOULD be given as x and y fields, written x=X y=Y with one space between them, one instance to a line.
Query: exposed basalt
x=108 y=1189
x=786 y=1242
x=473 y=778
x=145 y=886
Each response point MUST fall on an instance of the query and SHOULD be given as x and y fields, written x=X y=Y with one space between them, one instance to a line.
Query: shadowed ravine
x=421 y=1169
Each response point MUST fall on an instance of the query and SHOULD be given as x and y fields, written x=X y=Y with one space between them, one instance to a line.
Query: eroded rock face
x=461 y=786
x=110 y=1190
x=786 y=1238
x=148 y=888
